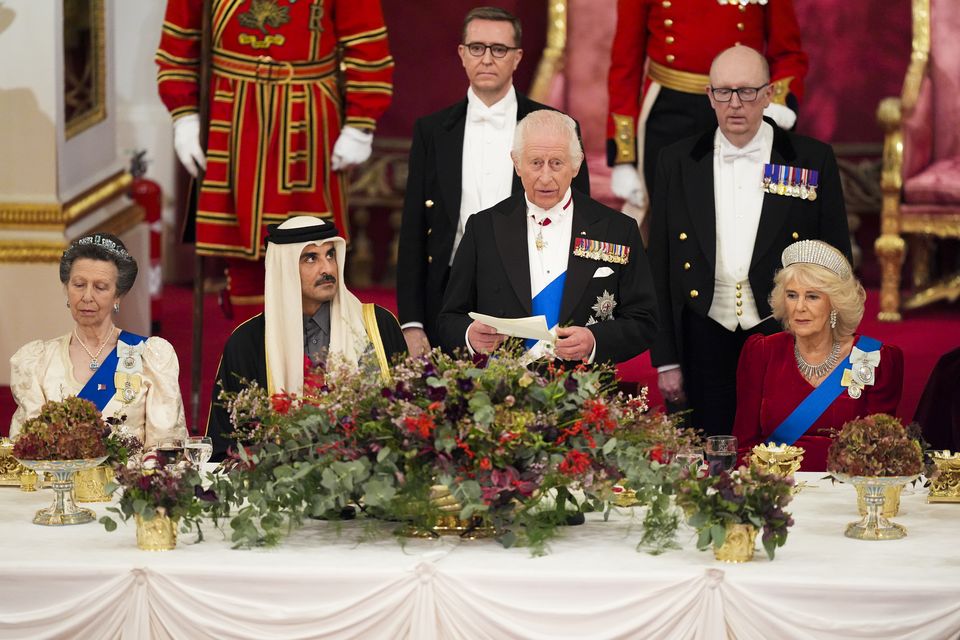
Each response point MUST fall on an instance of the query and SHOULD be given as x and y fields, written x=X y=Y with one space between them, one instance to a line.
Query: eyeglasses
x=478 y=49
x=746 y=94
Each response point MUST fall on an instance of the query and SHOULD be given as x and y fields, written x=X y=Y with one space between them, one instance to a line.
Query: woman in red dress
x=820 y=304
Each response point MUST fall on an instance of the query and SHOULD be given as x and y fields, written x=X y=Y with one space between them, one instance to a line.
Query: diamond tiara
x=819 y=253
x=105 y=243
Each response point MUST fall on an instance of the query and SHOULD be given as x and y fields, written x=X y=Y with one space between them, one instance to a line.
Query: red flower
x=281 y=403
x=423 y=425
x=485 y=464
x=657 y=454
x=575 y=463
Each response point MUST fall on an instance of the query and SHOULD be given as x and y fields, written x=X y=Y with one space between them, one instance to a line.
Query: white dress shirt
x=738 y=197
x=487 y=170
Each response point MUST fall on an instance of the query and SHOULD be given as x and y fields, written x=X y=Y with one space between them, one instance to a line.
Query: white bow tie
x=496 y=119
x=729 y=153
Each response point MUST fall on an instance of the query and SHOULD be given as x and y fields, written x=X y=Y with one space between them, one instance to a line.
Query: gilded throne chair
x=920 y=179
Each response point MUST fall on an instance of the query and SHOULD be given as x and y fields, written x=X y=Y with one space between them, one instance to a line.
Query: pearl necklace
x=812 y=372
x=94 y=357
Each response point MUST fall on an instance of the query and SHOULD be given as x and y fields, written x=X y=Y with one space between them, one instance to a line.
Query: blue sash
x=101 y=387
x=547 y=303
x=813 y=406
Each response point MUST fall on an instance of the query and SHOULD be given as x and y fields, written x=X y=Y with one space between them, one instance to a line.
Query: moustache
x=324 y=279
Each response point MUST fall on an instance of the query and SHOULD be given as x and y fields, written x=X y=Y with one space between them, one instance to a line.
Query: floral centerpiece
x=878 y=455
x=511 y=445
x=159 y=499
x=737 y=503
x=877 y=445
x=66 y=436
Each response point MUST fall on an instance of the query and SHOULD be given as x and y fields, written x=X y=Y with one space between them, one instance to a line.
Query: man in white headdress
x=304 y=263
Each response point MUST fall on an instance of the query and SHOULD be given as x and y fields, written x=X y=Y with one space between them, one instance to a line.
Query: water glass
x=720 y=453
x=689 y=456
x=198 y=450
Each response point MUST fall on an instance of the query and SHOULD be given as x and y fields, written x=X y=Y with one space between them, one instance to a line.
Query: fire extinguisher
x=147 y=194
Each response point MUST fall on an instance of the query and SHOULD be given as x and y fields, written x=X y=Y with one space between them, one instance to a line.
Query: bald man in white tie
x=459 y=165
x=726 y=203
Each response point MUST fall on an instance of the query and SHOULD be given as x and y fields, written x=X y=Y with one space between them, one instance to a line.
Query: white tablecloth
x=82 y=582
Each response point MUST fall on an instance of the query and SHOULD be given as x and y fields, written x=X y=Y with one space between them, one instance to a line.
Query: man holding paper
x=552 y=252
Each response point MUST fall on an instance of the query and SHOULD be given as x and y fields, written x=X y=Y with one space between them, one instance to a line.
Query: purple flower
x=571 y=384
x=465 y=385
x=207 y=495
x=436 y=394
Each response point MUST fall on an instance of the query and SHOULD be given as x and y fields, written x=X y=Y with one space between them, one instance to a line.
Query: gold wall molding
x=52 y=216
x=25 y=252
x=551 y=61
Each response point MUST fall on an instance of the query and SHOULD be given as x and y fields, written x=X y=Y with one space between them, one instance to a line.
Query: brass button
x=738 y=286
x=740 y=26
x=666 y=4
x=737 y=43
x=668 y=22
x=686 y=266
x=694 y=293
x=683 y=236
x=743 y=8
x=669 y=39
x=739 y=312
x=429 y=259
x=795 y=235
x=739 y=294
x=429 y=230
x=429 y=204
x=671 y=57
x=739 y=303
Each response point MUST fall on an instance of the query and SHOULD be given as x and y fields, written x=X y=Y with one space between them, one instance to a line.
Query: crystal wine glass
x=688 y=456
x=169 y=451
x=720 y=453
x=198 y=450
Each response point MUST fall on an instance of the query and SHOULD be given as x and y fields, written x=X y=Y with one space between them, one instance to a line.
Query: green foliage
x=745 y=496
x=508 y=443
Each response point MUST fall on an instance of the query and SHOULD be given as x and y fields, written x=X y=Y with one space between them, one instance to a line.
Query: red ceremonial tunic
x=682 y=37
x=770 y=386
x=275 y=107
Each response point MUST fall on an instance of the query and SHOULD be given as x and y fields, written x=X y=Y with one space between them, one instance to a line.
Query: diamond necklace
x=94 y=357
x=812 y=372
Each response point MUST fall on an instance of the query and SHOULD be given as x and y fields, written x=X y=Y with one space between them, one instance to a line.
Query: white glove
x=782 y=115
x=352 y=147
x=626 y=183
x=186 y=142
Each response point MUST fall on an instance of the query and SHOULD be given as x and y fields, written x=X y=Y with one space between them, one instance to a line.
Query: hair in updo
x=107 y=248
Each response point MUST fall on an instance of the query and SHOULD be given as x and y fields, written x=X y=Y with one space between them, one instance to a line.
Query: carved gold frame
x=98 y=112
x=56 y=216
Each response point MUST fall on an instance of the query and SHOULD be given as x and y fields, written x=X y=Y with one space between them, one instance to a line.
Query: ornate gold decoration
x=738 y=544
x=945 y=483
x=874 y=525
x=89 y=485
x=157 y=534
x=551 y=60
x=781 y=88
x=920 y=54
x=891 y=500
x=10 y=469
x=946 y=289
x=782 y=459
x=54 y=216
x=625 y=138
x=84 y=95
x=448 y=522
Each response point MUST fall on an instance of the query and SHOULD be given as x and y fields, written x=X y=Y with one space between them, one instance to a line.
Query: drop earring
x=68 y=304
x=116 y=307
x=833 y=319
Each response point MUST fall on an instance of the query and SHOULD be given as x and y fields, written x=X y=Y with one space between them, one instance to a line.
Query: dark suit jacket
x=431 y=210
x=491 y=275
x=683 y=203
